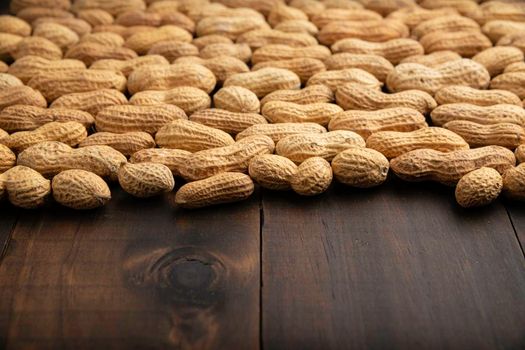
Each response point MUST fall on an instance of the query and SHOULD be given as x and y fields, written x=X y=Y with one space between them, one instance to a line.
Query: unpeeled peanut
x=272 y=171
x=261 y=37
x=281 y=52
x=414 y=15
x=142 y=42
x=236 y=99
x=289 y=112
x=172 y=158
x=378 y=66
x=61 y=35
x=326 y=16
x=313 y=177
x=25 y=187
x=189 y=99
x=145 y=179
x=280 y=130
x=497 y=29
x=520 y=154
x=305 y=68
x=230 y=122
x=502 y=134
x=127 y=67
x=7 y=158
x=77 y=25
x=8 y=80
x=91 y=101
x=23 y=117
x=126 y=143
x=466 y=94
x=21 y=95
x=80 y=189
x=393 y=50
x=265 y=80
x=370 y=30
x=173 y=49
x=360 y=167
x=27 y=67
x=514 y=182
x=90 y=52
x=231 y=27
x=453 y=23
x=36 y=46
x=496 y=59
x=222 y=67
x=335 y=78
x=433 y=59
x=500 y=113
x=465 y=43
x=512 y=81
x=310 y=94
x=478 y=188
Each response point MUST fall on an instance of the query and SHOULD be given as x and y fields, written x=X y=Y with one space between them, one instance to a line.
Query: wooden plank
x=516 y=211
x=397 y=267
x=136 y=274
x=8 y=220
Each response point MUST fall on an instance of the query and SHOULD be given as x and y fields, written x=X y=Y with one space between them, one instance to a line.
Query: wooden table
x=396 y=267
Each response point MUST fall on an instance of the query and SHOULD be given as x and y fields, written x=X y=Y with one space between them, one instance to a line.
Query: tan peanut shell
x=265 y=80
x=297 y=26
x=272 y=171
x=21 y=95
x=160 y=77
x=335 y=78
x=449 y=167
x=513 y=82
x=230 y=122
x=80 y=189
x=395 y=143
x=8 y=80
x=412 y=16
x=355 y=96
x=7 y=158
x=79 y=26
x=51 y=157
x=27 y=67
x=173 y=49
x=127 y=67
x=378 y=66
x=300 y=147
x=126 y=143
x=8 y=43
x=222 y=67
x=23 y=117
x=466 y=94
x=103 y=38
x=31 y=14
x=18 y=5
x=262 y=6
x=142 y=42
x=281 y=52
x=393 y=50
x=516 y=39
x=95 y=16
x=14 y=25
x=514 y=182
x=124 y=32
x=433 y=59
x=261 y=37
x=313 y=177
x=222 y=188
x=70 y=133
x=282 y=12
x=310 y=94
x=3 y=67
x=478 y=188
x=500 y=10
x=231 y=27
x=370 y=30
x=112 y=7
x=385 y=7
x=365 y=123
x=191 y=136
x=360 y=167
x=502 y=134
x=497 y=29
x=25 y=187
x=145 y=179
x=463 y=7
x=239 y=51
x=305 y=68
x=465 y=43
x=412 y=76
x=189 y=99
x=495 y=59
x=172 y=158
x=36 y=46
x=3 y=133
x=280 y=130
x=61 y=35
x=500 y=113
x=126 y=118
x=205 y=40
x=234 y=158
x=54 y=85
x=310 y=7
x=329 y=15
x=198 y=11
x=289 y=112
x=520 y=153
x=138 y=17
x=236 y=99
x=91 y=101
x=515 y=67
x=90 y=52
x=453 y=23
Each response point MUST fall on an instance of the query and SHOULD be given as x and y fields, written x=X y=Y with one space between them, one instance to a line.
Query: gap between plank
x=8 y=240
x=515 y=231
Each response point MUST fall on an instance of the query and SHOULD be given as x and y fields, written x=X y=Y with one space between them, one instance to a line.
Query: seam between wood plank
x=515 y=231
x=8 y=240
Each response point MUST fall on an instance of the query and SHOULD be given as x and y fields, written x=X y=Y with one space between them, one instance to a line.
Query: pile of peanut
x=226 y=94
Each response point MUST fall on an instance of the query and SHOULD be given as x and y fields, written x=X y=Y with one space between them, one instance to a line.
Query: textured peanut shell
x=239 y=51
x=91 y=101
x=27 y=67
x=222 y=67
x=3 y=67
x=18 y=5
x=305 y=68
x=25 y=187
x=8 y=80
x=198 y=11
x=520 y=153
x=261 y=37
x=360 y=167
x=95 y=16
x=495 y=59
x=222 y=188
x=31 y=14
x=90 y=52
x=262 y=6
x=58 y=34
x=414 y=15
x=309 y=94
x=8 y=43
x=515 y=67
x=103 y=38
x=355 y=96
x=145 y=179
x=335 y=78
x=237 y=99
x=478 y=188
x=465 y=43
x=497 y=29
x=14 y=25
x=7 y=158
x=172 y=158
x=127 y=67
x=395 y=143
x=21 y=95
x=365 y=123
x=502 y=134
x=378 y=66
x=36 y=46
x=500 y=113
x=77 y=25
x=494 y=10
x=449 y=167
x=453 y=23
x=138 y=17
x=514 y=182
x=297 y=26
x=272 y=171
x=80 y=189
x=393 y=50
x=234 y=158
x=281 y=52
x=282 y=12
x=433 y=59
x=512 y=81
x=173 y=49
x=23 y=117
x=230 y=122
x=289 y=112
x=466 y=94
x=112 y=7
x=231 y=27
x=189 y=99
x=265 y=80
x=516 y=39
x=202 y=41
x=370 y=30
x=280 y=130
x=127 y=118
x=313 y=177
x=142 y=42
x=320 y=19
x=126 y=143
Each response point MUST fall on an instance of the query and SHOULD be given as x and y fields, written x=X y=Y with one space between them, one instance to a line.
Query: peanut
x=310 y=7
x=205 y=40
x=56 y=84
x=412 y=16
x=262 y=6
x=500 y=113
x=61 y=35
x=433 y=59
x=126 y=118
x=145 y=179
x=91 y=101
x=27 y=67
x=51 y=157
x=80 y=189
x=280 y=130
x=520 y=153
x=289 y=112
x=466 y=94
x=305 y=68
x=25 y=187
x=3 y=134
x=142 y=42
x=178 y=19
x=272 y=171
x=230 y=122
x=236 y=158
x=465 y=43
x=310 y=94
x=79 y=26
x=513 y=82
x=103 y=38
x=370 y=30
x=3 y=66
x=231 y=27
x=138 y=17
x=385 y=7
x=516 y=39
x=31 y=14
x=89 y=52
x=239 y=51
x=160 y=77
x=126 y=143
x=23 y=118
x=265 y=80
x=335 y=78
x=478 y=188
x=502 y=134
x=7 y=158
x=222 y=188
x=300 y=147
x=261 y=37
x=191 y=136
x=515 y=67
x=330 y=15
x=95 y=16
x=495 y=59
x=36 y=46
x=461 y=6
x=514 y=182
x=222 y=66
x=494 y=10
x=313 y=177
x=8 y=43
x=378 y=66
x=18 y=5
x=355 y=96
x=366 y=123
x=198 y=12
x=282 y=12
x=453 y=23
x=449 y=167
x=70 y=133
x=393 y=50
x=172 y=158
x=278 y=52
x=360 y=167
x=8 y=80
x=297 y=26
x=408 y=76
x=497 y=29
x=14 y=25
x=128 y=66
x=173 y=49
x=237 y=99
x=112 y=7
x=189 y=99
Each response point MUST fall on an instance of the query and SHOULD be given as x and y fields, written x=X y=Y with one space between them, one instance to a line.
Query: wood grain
x=516 y=211
x=398 y=267
x=136 y=274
